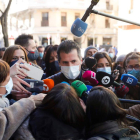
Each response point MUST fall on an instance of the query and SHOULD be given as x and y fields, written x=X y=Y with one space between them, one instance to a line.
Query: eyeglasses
x=131 y=67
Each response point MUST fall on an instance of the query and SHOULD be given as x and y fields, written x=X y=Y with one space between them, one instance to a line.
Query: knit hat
x=120 y=58
x=88 y=48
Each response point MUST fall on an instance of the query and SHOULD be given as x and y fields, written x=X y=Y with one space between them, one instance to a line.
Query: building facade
x=128 y=34
x=49 y=21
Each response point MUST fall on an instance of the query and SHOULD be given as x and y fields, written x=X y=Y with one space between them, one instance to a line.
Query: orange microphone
x=48 y=85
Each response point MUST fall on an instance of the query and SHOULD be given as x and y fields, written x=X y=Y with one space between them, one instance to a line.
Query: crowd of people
x=61 y=113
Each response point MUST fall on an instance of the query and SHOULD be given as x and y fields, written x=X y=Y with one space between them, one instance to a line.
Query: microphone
x=79 y=26
x=106 y=79
x=65 y=83
x=89 y=87
x=90 y=62
x=48 y=85
x=90 y=77
x=80 y=88
x=130 y=79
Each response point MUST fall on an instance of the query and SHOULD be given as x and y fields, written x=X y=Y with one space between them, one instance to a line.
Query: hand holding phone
x=34 y=72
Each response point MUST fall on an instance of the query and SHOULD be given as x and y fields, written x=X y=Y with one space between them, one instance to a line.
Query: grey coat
x=12 y=117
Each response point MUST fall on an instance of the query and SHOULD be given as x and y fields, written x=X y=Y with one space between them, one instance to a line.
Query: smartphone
x=35 y=73
x=35 y=85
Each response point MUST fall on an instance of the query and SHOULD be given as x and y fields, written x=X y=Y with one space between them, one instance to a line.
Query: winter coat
x=45 y=126
x=12 y=117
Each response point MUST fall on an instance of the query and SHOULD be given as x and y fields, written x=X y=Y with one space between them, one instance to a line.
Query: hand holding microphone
x=107 y=80
x=81 y=90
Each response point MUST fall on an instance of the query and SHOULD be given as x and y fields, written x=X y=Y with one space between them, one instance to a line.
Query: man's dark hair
x=23 y=40
x=39 y=47
x=67 y=46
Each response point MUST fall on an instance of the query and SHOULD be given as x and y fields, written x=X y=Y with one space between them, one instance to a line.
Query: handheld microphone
x=129 y=79
x=90 y=62
x=79 y=26
x=48 y=85
x=80 y=88
x=65 y=83
x=106 y=79
x=90 y=77
x=89 y=87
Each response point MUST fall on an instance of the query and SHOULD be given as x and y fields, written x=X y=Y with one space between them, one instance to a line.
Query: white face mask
x=8 y=87
x=70 y=72
x=105 y=69
x=111 y=55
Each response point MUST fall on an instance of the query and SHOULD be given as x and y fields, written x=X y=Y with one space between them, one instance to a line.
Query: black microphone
x=88 y=11
x=90 y=62
x=106 y=79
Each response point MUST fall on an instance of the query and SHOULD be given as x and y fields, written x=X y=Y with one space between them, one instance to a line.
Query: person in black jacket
x=60 y=116
x=105 y=117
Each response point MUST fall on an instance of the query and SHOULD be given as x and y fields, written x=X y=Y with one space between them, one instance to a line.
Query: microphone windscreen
x=90 y=77
x=90 y=62
x=89 y=87
x=78 y=27
x=104 y=79
x=48 y=85
x=129 y=79
x=65 y=83
x=79 y=87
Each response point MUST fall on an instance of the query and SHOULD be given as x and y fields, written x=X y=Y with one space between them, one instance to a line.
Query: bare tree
x=3 y=20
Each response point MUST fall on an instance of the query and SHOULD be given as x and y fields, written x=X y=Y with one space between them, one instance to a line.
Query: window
x=106 y=41
x=63 y=19
x=77 y=15
x=108 y=6
x=63 y=38
x=107 y=24
x=46 y=41
x=90 y=41
x=45 y=19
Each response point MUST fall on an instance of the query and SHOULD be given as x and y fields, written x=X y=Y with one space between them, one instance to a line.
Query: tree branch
x=7 y=8
x=1 y=11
